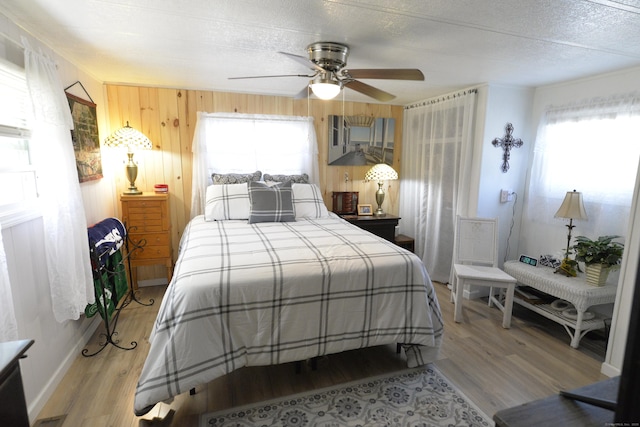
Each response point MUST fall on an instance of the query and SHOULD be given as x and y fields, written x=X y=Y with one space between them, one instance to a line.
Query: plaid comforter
x=269 y=293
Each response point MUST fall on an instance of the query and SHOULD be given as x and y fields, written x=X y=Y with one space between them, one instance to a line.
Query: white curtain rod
x=631 y=100
x=441 y=98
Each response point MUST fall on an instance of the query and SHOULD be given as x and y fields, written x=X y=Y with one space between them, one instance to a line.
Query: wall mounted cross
x=507 y=143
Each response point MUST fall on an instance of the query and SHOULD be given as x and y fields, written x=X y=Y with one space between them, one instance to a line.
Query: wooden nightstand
x=383 y=226
x=146 y=217
x=405 y=242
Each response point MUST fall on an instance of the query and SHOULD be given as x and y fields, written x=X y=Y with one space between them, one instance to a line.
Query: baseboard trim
x=47 y=391
x=609 y=370
x=151 y=282
x=473 y=292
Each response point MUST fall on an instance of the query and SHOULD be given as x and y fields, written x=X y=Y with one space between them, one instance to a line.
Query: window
x=598 y=155
x=592 y=148
x=245 y=143
x=17 y=174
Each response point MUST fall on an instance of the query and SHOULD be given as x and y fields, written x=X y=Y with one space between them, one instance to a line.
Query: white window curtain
x=437 y=175
x=591 y=147
x=8 y=324
x=65 y=236
x=245 y=143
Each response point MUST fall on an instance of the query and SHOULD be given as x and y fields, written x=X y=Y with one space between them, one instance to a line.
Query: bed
x=261 y=292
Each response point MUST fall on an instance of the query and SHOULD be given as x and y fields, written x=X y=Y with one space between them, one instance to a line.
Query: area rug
x=417 y=397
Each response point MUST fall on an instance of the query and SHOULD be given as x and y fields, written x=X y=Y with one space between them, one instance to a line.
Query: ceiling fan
x=328 y=60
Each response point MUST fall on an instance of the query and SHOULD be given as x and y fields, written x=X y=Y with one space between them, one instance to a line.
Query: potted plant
x=599 y=256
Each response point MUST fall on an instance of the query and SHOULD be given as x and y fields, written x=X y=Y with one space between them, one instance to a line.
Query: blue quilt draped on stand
x=109 y=273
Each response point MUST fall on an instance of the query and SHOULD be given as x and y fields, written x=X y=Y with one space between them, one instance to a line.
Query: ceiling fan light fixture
x=325 y=88
x=328 y=61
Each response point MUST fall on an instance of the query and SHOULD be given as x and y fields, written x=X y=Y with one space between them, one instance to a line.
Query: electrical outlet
x=506 y=196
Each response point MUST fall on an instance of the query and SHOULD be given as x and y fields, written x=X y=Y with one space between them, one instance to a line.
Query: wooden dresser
x=147 y=219
x=13 y=407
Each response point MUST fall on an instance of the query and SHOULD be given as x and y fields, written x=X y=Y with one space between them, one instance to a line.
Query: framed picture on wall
x=86 y=142
x=360 y=140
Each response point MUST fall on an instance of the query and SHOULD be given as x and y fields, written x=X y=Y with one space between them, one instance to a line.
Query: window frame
x=16 y=125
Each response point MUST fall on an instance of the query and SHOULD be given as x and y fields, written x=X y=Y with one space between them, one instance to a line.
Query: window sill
x=11 y=218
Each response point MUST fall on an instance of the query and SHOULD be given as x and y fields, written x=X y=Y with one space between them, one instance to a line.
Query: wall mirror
x=360 y=140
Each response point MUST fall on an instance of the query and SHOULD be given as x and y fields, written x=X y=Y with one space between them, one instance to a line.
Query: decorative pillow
x=270 y=204
x=301 y=179
x=235 y=178
x=227 y=201
x=307 y=201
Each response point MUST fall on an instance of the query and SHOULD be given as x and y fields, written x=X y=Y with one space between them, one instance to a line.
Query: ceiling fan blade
x=304 y=61
x=303 y=94
x=390 y=73
x=371 y=91
x=267 y=77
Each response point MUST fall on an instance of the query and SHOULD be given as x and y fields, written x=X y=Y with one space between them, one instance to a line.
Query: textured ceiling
x=199 y=44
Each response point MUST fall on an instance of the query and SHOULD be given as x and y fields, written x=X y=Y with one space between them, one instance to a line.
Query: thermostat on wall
x=529 y=260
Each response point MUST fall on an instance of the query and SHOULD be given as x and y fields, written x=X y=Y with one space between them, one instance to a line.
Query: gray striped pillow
x=271 y=204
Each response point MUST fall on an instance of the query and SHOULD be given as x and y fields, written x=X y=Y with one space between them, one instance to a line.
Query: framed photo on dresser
x=364 y=210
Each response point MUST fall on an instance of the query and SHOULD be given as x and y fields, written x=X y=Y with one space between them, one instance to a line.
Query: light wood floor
x=496 y=368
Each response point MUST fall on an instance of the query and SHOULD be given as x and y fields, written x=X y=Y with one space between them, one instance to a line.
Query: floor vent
x=56 y=421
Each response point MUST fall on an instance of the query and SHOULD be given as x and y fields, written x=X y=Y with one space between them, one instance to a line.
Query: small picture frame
x=364 y=210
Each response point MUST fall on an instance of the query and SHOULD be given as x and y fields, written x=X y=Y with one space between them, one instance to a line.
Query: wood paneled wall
x=168 y=118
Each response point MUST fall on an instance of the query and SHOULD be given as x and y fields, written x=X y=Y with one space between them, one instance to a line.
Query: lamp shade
x=572 y=206
x=381 y=172
x=128 y=137
x=325 y=87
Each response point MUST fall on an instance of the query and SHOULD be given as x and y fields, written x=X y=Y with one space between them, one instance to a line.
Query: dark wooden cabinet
x=383 y=226
x=405 y=242
x=13 y=406
x=345 y=202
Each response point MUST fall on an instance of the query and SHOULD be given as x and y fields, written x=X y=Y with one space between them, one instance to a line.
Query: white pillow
x=307 y=201
x=227 y=201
